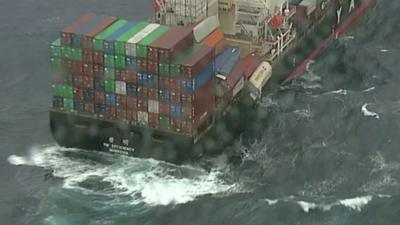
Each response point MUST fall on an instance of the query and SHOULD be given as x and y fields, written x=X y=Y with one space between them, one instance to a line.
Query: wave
x=366 y=112
x=144 y=180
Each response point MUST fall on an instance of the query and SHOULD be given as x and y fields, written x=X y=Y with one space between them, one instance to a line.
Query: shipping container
x=89 y=36
x=120 y=43
x=55 y=49
x=214 y=38
x=66 y=33
x=190 y=85
x=99 y=39
x=142 y=46
x=251 y=62
x=143 y=118
x=131 y=103
x=205 y=28
x=133 y=41
x=176 y=65
x=172 y=42
x=78 y=35
x=154 y=120
x=153 y=106
x=225 y=62
x=198 y=62
x=110 y=41
x=261 y=76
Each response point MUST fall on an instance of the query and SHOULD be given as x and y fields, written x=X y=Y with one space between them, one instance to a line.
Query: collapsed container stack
x=144 y=74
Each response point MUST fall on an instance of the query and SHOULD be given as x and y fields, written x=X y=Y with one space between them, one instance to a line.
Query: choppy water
x=322 y=150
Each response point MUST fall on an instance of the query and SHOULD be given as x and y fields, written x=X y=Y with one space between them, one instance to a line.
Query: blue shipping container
x=176 y=110
x=77 y=36
x=164 y=95
x=99 y=84
x=88 y=95
x=109 y=41
x=111 y=100
x=79 y=106
x=226 y=61
x=131 y=89
x=131 y=63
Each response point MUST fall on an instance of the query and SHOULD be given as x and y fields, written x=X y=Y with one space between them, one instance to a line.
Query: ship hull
x=85 y=132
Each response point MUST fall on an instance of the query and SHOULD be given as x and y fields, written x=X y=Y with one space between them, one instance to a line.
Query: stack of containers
x=148 y=75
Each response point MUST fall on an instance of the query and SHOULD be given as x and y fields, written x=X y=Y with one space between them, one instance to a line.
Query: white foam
x=146 y=181
x=369 y=89
x=340 y=91
x=307 y=206
x=271 y=201
x=366 y=112
x=356 y=203
x=384 y=50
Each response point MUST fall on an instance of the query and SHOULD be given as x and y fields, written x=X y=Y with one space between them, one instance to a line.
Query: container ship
x=173 y=87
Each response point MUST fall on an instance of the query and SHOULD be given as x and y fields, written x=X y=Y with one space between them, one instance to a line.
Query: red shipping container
x=198 y=62
x=99 y=97
x=131 y=103
x=175 y=124
x=236 y=74
x=142 y=105
x=131 y=77
x=98 y=58
x=118 y=75
x=251 y=62
x=175 y=97
x=77 y=68
x=152 y=67
x=78 y=94
x=77 y=81
x=88 y=70
x=142 y=65
x=143 y=92
x=187 y=98
x=153 y=94
x=175 y=84
x=132 y=116
x=187 y=126
x=154 y=120
x=164 y=108
x=88 y=82
x=88 y=37
x=89 y=108
x=121 y=102
x=123 y=75
x=121 y=114
x=174 y=41
x=164 y=83
x=110 y=113
x=66 y=33
x=87 y=56
x=98 y=71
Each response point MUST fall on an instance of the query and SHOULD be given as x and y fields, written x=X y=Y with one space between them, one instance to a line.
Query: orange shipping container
x=214 y=38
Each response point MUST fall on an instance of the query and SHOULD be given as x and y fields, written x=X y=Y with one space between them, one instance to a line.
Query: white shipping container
x=205 y=28
x=143 y=118
x=131 y=43
x=261 y=75
x=153 y=106
x=120 y=87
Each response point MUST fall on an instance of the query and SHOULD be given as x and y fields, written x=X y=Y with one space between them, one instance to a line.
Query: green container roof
x=153 y=36
x=132 y=32
x=184 y=56
x=110 y=30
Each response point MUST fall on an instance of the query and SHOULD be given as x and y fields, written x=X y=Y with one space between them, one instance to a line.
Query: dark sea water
x=323 y=150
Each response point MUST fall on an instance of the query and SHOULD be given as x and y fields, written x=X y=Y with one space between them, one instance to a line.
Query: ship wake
x=130 y=180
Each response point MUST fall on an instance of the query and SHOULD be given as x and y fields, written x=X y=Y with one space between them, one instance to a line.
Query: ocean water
x=321 y=150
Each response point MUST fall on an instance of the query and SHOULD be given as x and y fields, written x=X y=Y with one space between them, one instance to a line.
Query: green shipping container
x=120 y=43
x=110 y=86
x=66 y=52
x=164 y=69
x=69 y=104
x=67 y=91
x=164 y=123
x=142 y=46
x=55 y=48
x=109 y=74
x=175 y=66
x=76 y=54
x=56 y=64
x=98 y=41
x=56 y=90
x=120 y=61
x=109 y=61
